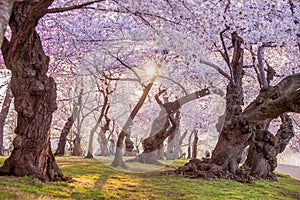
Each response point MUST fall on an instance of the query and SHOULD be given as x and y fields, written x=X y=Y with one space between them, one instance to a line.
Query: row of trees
x=181 y=37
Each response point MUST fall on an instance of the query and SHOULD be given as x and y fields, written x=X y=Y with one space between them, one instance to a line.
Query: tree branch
x=276 y=100
x=216 y=68
x=263 y=78
x=183 y=89
x=74 y=7
x=225 y=54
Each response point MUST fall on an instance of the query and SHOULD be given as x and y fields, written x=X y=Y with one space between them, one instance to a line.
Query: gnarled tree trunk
x=263 y=151
x=232 y=141
x=241 y=127
x=154 y=142
x=34 y=93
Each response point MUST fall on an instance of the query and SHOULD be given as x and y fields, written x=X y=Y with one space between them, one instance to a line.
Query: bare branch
x=74 y=7
x=225 y=54
x=121 y=79
x=183 y=89
x=216 y=68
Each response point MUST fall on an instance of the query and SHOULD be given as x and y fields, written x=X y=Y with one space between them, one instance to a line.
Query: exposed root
x=207 y=171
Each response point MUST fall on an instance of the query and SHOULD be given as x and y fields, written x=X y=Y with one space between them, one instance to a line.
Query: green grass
x=93 y=180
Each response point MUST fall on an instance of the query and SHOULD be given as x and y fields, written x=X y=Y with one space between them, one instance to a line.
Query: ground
x=93 y=180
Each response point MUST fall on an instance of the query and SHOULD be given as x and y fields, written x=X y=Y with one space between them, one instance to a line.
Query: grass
x=93 y=180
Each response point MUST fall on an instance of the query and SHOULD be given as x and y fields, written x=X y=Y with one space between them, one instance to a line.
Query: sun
x=150 y=69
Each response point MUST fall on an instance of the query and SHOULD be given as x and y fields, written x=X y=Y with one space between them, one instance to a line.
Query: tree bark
x=3 y=116
x=231 y=142
x=60 y=151
x=263 y=151
x=34 y=93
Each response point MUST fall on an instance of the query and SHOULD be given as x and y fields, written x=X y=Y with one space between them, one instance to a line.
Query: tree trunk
x=173 y=147
x=3 y=115
x=232 y=141
x=129 y=146
x=154 y=142
x=103 y=141
x=77 y=151
x=195 y=145
x=66 y=130
x=181 y=153
x=263 y=151
x=64 y=133
x=118 y=159
x=189 y=155
x=240 y=128
x=34 y=93
x=103 y=113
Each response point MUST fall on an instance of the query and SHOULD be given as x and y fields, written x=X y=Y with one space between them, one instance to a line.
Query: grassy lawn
x=93 y=180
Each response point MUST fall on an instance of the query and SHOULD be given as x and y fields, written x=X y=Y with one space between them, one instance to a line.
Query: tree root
x=207 y=171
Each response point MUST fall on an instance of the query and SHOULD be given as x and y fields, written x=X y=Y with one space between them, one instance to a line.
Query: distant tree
x=3 y=115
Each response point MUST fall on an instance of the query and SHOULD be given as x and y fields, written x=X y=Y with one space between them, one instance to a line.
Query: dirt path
x=293 y=171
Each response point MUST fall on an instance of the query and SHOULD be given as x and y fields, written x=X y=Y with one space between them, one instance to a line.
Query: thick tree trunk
x=3 y=115
x=240 y=128
x=34 y=93
x=263 y=151
x=232 y=141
